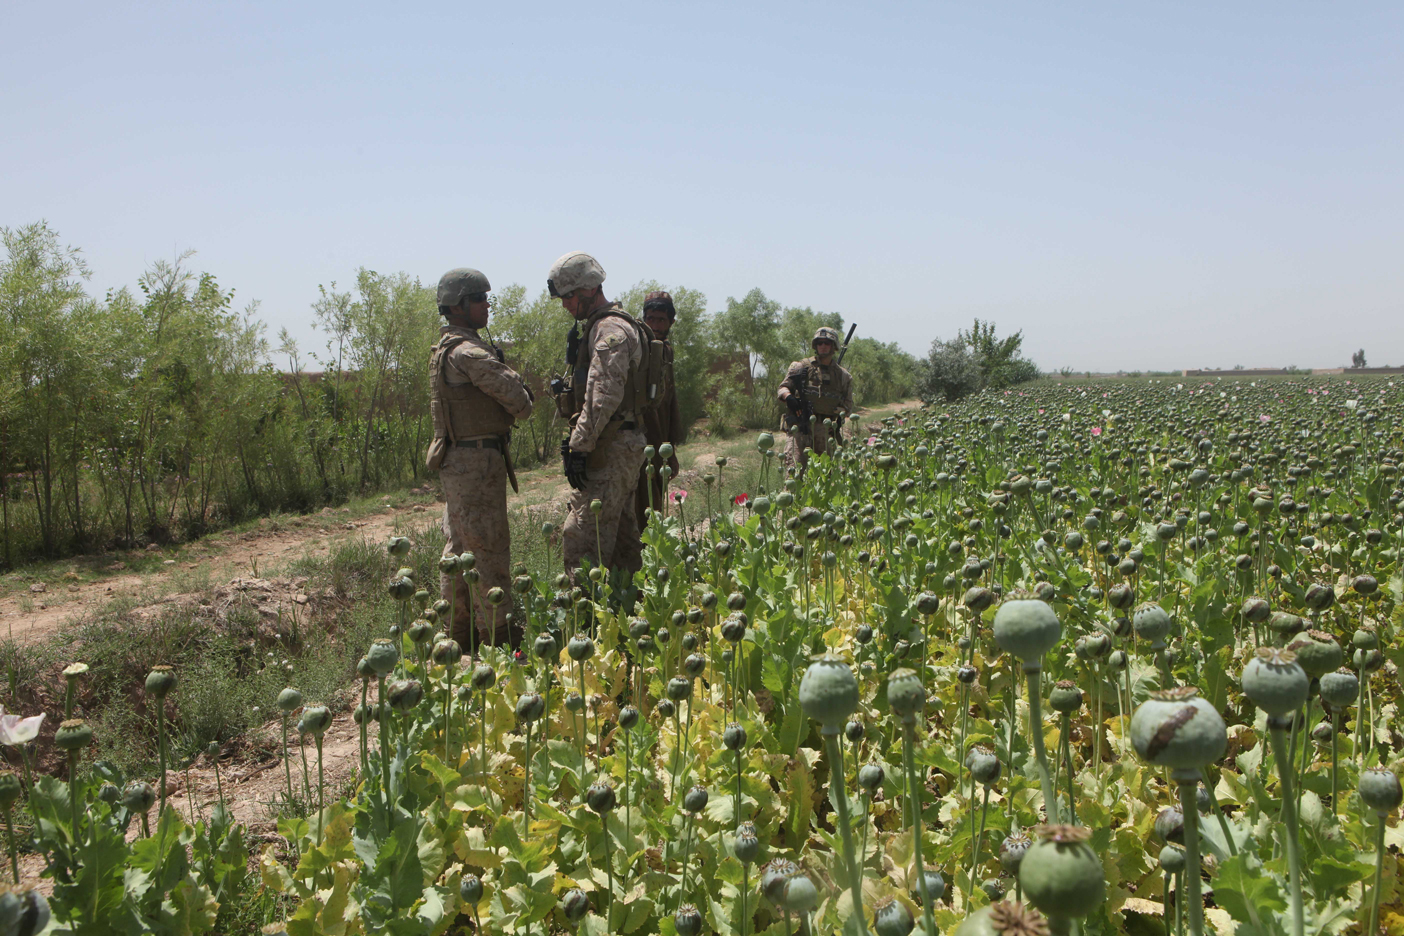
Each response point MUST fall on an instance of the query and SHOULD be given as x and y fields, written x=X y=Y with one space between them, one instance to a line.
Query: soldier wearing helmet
x=604 y=451
x=663 y=423
x=817 y=394
x=475 y=399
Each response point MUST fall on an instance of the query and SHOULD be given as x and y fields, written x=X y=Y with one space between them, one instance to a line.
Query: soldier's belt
x=480 y=443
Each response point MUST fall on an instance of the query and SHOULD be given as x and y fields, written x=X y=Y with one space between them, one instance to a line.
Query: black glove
x=575 y=464
x=796 y=404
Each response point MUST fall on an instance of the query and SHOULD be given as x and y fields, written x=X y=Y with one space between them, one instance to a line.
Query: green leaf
x=1243 y=881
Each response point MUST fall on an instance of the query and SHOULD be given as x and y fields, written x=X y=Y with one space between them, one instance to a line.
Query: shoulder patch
x=609 y=342
x=476 y=353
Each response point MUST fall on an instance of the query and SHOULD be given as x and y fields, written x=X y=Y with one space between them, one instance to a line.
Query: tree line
x=159 y=414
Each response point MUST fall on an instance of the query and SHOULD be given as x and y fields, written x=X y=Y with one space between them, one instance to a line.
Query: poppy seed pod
x=932 y=887
x=979 y=598
x=574 y=701
x=747 y=843
x=1061 y=874
x=1340 y=688
x=1285 y=624
x=404 y=694
x=801 y=896
x=1365 y=584
x=1066 y=697
x=470 y=889
x=774 y=876
x=289 y=700
x=828 y=693
x=694 y=664
x=927 y=603
x=24 y=911
x=734 y=736
x=870 y=777
x=687 y=920
x=1151 y=622
x=575 y=904
x=628 y=717
x=1365 y=638
x=983 y=765
x=138 y=796
x=1380 y=790
x=679 y=688
x=1170 y=824
x=446 y=652
x=1275 y=682
x=580 y=648
x=1172 y=859
x=695 y=799
x=1121 y=596
x=160 y=681
x=484 y=677
x=315 y=720
x=1256 y=610
x=854 y=732
x=1092 y=646
x=733 y=629
x=382 y=656
x=1012 y=851
x=905 y=694
x=1003 y=918
x=1317 y=652
x=400 y=589
x=1027 y=629
x=600 y=797
x=73 y=734
x=1320 y=597
x=419 y=631
x=1176 y=728
x=530 y=707
x=892 y=918
x=665 y=708
x=398 y=546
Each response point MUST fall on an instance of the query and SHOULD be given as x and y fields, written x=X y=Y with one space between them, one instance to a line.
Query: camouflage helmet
x=573 y=271
x=825 y=334
x=462 y=284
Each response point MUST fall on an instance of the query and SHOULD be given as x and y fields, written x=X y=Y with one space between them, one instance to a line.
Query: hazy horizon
x=1135 y=189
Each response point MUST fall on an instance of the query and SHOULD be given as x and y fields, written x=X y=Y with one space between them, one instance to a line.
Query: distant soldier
x=817 y=387
x=601 y=397
x=663 y=423
x=475 y=399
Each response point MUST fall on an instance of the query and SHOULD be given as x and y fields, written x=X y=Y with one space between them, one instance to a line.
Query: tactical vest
x=645 y=380
x=824 y=388
x=461 y=411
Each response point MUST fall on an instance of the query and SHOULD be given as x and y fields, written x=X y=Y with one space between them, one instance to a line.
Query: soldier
x=604 y=451
x=818 y=387
x=663 y=423
x=475 y=399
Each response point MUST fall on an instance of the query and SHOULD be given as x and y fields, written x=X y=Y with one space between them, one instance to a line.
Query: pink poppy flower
x=1096 y=430
x=678 y=495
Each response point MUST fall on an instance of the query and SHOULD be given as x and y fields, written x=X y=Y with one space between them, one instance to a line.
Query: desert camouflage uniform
x=608 y=431
x=475 y=482
x=828 y=388
x=661 y=424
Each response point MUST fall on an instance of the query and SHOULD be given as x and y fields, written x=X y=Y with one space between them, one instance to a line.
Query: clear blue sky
x=1132 y=186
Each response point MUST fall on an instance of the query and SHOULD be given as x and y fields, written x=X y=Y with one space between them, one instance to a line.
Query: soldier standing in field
x=475 y=399
x=663 y=423
x=601 y=398
x=817 y=387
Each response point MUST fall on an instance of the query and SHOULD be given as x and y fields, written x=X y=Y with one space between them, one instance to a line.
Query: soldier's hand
x=795 y=403
x=576 y=469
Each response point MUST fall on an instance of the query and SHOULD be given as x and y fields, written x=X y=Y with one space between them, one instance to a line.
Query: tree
x=974 y=360
x=1358 y=358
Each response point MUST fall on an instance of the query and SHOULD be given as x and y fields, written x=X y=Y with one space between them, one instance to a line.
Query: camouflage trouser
x=475 y=521
x=614 y=486
x=798 y=444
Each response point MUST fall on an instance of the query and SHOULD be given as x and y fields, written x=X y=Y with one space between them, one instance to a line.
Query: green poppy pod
x=801 y=896
x=828 y=693
x=470 y=889
x=747 y=843
x=854 y=732
x=1060 y=874
x=1176 y=728
x=446 y=652
x=9 y=790
x=495 y=596
x=398 y=546
x=484 y=677
x=545 y=647
x=1151 y=622
x=315 y=720
x=891 y=917
x=1092 y=646
x=1012 y=851
x=404 y=694
x=1365 y=584
x=1340 y=688
x=400 y=589
x=1121 y=596
x=776 y=873
x=694 y=664
x=530 y=707
x=382 y=656
x=73 y=734
x=1172 y=859
x=160 y=681
x=448 y=564
x=1320 y=597
x=734 y=736
x=687 y=920
x=24 y=911
x=905 y=694
x=1066 y=697
x=363 y=668
x=733 y=629
x=1256 y=610
x=979 y=598
x=665 y=708
x=574 y=701
x=1170 y=824
x=600 y=797
x=695 y=799
x=289 y=700
x=580 y=648
x=1027 y=629
x=679 y=688
x=1004 y=918
x=1317 y=652
x=575 y=904
x=1285 y=625
x=983 y=765
x=931 y=886
x=927 y=603
x=138 y=796
x=1365 y=638
x=1275 y=682
x=419 y=631
x=1380 y=790
x=870 y=777
x=404 y=572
